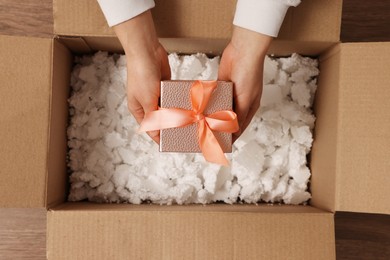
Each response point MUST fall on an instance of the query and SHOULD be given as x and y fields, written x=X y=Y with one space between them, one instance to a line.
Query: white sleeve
x=262 y=16
x=118 y=11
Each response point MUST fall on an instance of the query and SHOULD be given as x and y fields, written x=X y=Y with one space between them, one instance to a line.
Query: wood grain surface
x=365 y=21
x=358 y=236
x=362 y=236
x=26 y=17
x=22 y=234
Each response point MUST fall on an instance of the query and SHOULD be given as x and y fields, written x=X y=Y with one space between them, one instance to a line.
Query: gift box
x=176 y=94
x=195 y=116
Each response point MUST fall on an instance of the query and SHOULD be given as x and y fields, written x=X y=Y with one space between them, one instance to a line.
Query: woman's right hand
x=147 y=65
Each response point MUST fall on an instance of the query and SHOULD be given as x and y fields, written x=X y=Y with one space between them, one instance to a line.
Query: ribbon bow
x=221 y=121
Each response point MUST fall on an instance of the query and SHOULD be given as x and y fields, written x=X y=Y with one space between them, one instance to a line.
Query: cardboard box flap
x=62 y=62
x=363 y=149
x=189 y=232
x=24 y=120
x=323 y=155
x=315 y=20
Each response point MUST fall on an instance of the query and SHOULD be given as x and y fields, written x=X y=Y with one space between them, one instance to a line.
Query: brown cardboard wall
x=314 y=20
x=190 y=234
x=57 y=170
x=363 y=178
x=24 y=118
x=74 y=17
x=194 y=19
x=324 y=151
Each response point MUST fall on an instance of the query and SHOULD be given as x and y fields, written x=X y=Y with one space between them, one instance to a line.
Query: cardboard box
x=349 y=159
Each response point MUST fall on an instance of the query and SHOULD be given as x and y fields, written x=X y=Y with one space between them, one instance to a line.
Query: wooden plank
x=362 y=236
x=26 y=17
x=365 y=21
x=22 y=233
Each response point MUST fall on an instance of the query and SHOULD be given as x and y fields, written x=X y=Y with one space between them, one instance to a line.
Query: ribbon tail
x=166 y=118
x=209 y=145
x=223 y=121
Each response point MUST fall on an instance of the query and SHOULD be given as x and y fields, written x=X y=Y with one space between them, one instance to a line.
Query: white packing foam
x=111 y=162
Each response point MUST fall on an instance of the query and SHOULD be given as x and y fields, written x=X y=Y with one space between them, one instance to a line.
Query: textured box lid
x=176 y=94
x=86 y=231
x=363 y=154
x=351 y=151
x=314 y=20
x=24 y=120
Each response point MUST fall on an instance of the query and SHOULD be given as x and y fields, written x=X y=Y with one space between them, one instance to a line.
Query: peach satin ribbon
x=221 y=121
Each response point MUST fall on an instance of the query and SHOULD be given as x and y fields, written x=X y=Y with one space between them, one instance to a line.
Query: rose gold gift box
x=176 y=94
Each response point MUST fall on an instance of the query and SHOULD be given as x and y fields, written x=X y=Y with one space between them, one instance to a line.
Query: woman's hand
x=242 y=63
x=147 y=65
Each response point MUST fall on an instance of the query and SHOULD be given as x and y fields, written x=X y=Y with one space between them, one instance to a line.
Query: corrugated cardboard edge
x=211 y=47
x=363 y=159
x=25 y=119
x=75 y=43
x=195 y=233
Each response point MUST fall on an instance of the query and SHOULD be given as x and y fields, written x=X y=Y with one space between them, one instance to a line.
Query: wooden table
x=358 y=236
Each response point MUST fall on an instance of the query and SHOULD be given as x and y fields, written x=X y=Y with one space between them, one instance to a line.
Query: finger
x=165 y=68
x=150 y=105
x=252 y=111
x=155 y=135
x=135 y=108
x=240 y=101
x=224 y=70
x=241 y=107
